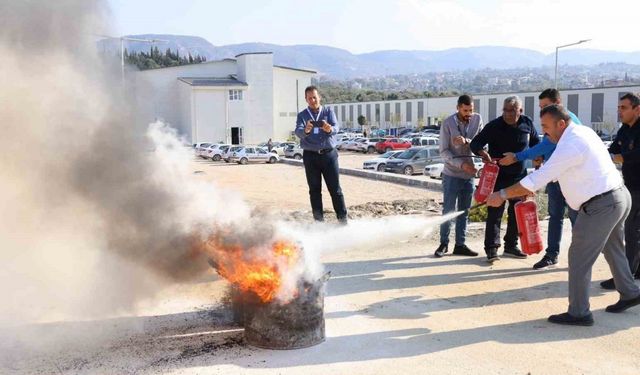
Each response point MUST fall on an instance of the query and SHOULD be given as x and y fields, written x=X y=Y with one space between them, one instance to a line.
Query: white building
x=596 y=107
x=241 y=100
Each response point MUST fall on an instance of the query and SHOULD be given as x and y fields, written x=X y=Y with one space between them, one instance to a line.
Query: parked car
x=227 y=155
x=209 y=151
x=279 y=147
x=413 y=160
x=200 y=147
x=425 y=141
x=293 y=151
x=390 y=144
x=353 y=145
x=368 y=145
x=218 y=153
x=253 y=154
x=435 y=170
x=378 y=164
x=341 y=143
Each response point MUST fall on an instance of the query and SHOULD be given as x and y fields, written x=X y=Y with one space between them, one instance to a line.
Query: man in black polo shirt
x=317 y=127
x=626 y=151
x=511 y=132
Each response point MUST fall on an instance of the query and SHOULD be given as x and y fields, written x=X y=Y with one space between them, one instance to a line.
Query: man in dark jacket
x=511 y=132
x=626 y=151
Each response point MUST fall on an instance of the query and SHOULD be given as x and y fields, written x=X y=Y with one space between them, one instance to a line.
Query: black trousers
x=317 y=166
x=632 y=233
x=494 y=217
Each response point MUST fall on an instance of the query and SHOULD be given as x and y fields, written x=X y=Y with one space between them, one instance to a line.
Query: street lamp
x=555 y=77
x=122 y=40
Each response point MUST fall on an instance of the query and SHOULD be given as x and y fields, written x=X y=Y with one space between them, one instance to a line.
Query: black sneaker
x=492 y=254
x=441 y=250
x=622 y=305
x=514 y=252
x=608 y=284
x=546 y=261
x=568 y=319
x=464 y=250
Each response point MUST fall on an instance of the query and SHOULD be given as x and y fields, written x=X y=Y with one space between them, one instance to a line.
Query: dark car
x=414 y=160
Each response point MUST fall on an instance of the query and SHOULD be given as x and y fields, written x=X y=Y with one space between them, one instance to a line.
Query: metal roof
x=212 y=81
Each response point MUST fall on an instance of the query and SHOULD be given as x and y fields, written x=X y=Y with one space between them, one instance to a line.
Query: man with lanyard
x=511 y=132
x=626 y=151
x=317 y=127
x=592 y=186
x=457 y=177
x=557 y=203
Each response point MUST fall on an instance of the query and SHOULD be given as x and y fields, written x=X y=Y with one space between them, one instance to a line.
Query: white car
x=353 y=145
x=227 y=155
x=218 y=153
x=253 y=154
x=200 y=147
x=368 y=146
x=209 y=152
x=435 y=170
x=293 y=151
x=378 y=164
x=425 y=141
x=342 y=142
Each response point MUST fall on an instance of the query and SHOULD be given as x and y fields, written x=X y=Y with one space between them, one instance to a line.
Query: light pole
x=122 y=39
x=555 y=76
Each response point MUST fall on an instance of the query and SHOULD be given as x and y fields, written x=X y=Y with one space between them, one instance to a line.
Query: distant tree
x=362 y=120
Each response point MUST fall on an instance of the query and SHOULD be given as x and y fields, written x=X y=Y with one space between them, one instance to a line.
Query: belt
x=595 y=197
x=320 y=152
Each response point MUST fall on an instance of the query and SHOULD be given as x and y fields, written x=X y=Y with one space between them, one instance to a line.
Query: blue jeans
x=557 y=204
x=455 y=190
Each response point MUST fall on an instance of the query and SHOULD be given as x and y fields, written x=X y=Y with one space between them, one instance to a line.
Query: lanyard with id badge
x=317 y=124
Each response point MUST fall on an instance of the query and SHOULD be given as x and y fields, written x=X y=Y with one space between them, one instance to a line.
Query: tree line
x=155 y=59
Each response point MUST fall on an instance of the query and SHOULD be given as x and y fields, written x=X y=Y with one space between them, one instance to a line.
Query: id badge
x=316 y=130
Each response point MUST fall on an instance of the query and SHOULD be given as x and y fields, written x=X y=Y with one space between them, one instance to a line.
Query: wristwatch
x=503 y=194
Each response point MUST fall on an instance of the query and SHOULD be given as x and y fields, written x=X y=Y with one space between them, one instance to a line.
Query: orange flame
x=261 y=274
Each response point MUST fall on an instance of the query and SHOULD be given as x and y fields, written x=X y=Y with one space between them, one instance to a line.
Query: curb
x=378 y=176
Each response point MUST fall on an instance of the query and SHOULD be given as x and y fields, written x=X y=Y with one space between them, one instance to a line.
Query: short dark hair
x=309 y=89
x=634 y=99
x=551 y=94
x=465 y=99
x=556 y=111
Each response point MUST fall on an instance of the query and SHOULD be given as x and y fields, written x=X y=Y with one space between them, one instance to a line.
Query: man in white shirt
x=592 y=186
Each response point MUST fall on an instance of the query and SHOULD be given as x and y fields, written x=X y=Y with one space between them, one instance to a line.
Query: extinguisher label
x=533 y=229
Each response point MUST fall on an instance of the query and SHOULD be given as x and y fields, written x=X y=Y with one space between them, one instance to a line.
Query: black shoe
x=546 y=261
x=464 y=250
x=568 y=319
x=608 y=284
x=441 y=250
x=492 y=254
x=514 y=252
x=622 y=305
x=343 y=221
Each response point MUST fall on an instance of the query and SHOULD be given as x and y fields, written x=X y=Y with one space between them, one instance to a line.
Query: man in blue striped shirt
x=557 y=202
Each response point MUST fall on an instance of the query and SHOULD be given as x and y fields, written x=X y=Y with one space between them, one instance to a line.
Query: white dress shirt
x=581 y=164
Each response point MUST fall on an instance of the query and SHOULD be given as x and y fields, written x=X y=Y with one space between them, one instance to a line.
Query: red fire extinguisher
x=487 y=183
x=528 y=226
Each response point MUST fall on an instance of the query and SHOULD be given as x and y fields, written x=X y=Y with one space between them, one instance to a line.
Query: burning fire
x=258 y=270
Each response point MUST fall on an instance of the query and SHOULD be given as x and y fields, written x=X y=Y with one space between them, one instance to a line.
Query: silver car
x=253 y=154
x=293 y=151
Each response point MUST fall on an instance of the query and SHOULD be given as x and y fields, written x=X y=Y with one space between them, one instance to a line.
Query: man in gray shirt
x=457 y=177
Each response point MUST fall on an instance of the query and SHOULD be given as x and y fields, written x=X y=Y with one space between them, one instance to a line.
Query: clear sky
x=369 y=25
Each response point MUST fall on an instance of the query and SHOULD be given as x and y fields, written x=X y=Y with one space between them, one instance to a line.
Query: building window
x=597 y=107
x=476 y=105
x=283 y=114
x=528 y=106
x=572 y=103
x=493 y=105
x=420 y=111
x=235 y=94
x=409 y=110
x=293 y=114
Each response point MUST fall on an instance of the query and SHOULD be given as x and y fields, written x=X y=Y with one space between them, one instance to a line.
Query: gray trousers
x=599 y=228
